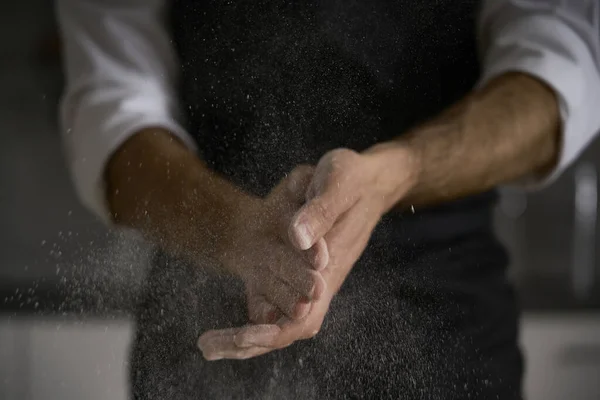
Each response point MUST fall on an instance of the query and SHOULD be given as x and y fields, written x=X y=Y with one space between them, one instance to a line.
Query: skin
x=506 y=131
x=156 y=185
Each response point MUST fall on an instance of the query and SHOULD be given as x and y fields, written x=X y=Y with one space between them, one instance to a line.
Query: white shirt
x=121 y=73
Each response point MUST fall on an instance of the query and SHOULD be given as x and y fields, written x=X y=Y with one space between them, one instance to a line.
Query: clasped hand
x=337 y=205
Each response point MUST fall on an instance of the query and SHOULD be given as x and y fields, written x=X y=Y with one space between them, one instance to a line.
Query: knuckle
x=298 y=175
x=323 y=212
x=337 y=166
x=301 y=170
x=343 y=157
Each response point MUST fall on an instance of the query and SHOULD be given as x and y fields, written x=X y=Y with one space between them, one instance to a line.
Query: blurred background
x=67 y=284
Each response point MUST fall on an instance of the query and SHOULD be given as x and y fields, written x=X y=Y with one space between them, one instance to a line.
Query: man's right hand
x=158 y=186
x=259 y=251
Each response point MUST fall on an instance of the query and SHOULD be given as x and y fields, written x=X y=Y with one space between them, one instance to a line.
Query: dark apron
x=426 y=313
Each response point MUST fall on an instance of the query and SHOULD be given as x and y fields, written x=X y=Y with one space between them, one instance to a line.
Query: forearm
x=158 y=186
x=112 y=91
x=506 y=131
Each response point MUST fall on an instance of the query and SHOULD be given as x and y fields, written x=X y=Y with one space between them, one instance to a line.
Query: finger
x=290 y=196
x=298 y=182
x=310 y=284
x=216 y=345
x=209 y=335
x=318 y=255
x=272 y=336
x=284 y=297
x=289 y=267
x=258 y=335
x=350 y=235
x=274 y=317
x=317 y=216
x=269 y=336
x=214 y=342
x=260 y=311
x=311 y=192
x=242 y=354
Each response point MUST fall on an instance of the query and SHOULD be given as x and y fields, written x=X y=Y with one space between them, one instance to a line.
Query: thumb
x=297 y=191
x=317 y=216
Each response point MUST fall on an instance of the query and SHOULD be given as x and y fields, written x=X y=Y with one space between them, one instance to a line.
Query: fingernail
x=210 y=355
x=303 y=235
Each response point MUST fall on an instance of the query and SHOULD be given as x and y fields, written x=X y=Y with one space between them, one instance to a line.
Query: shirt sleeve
x=121 y=74
x=558 y=42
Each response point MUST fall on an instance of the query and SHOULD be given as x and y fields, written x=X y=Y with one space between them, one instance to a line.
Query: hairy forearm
x=159 y=187
x=506 y=131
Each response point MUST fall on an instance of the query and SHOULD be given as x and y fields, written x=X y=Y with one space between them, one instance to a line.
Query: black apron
x=426 y=312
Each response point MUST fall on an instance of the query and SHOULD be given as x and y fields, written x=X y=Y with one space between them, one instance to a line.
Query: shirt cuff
x=90 y=148
x=545 y=47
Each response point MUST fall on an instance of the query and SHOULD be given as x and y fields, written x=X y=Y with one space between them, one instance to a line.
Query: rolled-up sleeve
x=558 y=42
x=121 y=74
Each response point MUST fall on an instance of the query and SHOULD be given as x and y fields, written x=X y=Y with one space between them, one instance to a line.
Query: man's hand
x=257 y=339
x=259 y=251
x=156 y=185
x=508 y=130
x=347 y=197
x=345 y=200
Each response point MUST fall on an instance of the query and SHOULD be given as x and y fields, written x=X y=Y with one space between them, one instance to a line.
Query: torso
x=270 y=84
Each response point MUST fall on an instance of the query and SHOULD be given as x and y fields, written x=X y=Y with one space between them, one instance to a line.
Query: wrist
x=159 y=187
x=396 y=169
